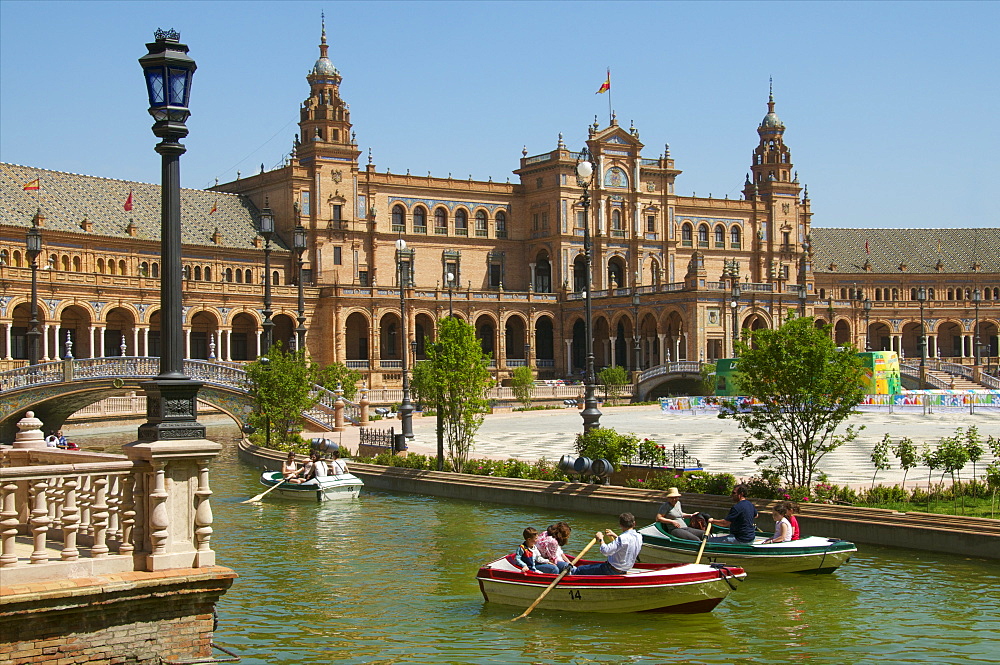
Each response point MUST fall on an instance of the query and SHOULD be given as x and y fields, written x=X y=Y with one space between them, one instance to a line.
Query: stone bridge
x=681 y=377
x=57 y=390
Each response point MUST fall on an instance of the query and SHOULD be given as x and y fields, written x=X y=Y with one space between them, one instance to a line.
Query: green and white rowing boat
x=809 y=554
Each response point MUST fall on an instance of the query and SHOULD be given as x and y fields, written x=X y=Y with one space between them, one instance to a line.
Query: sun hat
x=672 y=492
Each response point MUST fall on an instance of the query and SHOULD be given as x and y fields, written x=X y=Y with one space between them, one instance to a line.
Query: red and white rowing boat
x=681 y=587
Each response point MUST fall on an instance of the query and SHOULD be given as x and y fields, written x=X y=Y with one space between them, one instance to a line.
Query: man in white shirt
x=622 y=551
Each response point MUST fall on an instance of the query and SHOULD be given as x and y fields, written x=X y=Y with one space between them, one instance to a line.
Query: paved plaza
x=536 y=434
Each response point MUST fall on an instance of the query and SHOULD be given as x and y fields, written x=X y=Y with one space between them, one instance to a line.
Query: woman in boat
x=549 y=545
x=672 y=517
x=782 y=527
x=337 y=466
x=290 y=468
x=792 y=508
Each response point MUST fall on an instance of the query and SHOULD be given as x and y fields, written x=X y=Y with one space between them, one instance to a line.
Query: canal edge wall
x=950 y=534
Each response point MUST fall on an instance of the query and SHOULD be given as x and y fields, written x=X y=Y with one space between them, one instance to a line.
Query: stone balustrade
x=70 y=514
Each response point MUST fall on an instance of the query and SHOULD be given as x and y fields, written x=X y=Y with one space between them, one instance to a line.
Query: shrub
x=609 y=444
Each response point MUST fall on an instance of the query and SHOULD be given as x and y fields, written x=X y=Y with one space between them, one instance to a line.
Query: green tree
x=282 y=387
x=613 y=378
x=804 y=387
x=880 y=457
x=455 y=378
x=342 y=375
x=522 y=383
x=907 y=454
x=607 y=443
x=708 y=378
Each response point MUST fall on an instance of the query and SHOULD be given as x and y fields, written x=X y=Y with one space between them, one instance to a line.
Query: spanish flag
x=606 y=85
x=32 y=186
x=215 y=207
x=128 y=202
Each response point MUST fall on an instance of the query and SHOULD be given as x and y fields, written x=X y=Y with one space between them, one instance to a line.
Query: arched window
x=248 y=276
x=734 y=237
x=501 y=224
x=462 y=222
x=208 y=274
x=930 y=294
x=275 y=278
x=440 y=221
x=112 y=267
x=720 y=236
x=77 y=264
x=239 y=276
x=951 y=294
x=100 y=265
x=481 y=223
x=65 y=262
x=4 y=257
x=121 y=267
x=197 y=272
x=843 y=294
x=895 y=294
x=229 y=275
x=187 y=272
x=420 y=218
x=703 y=235
x=616 y=220
x=154 y=269
x=686 y=238
x=398 y=218
x=144 y=269
x=878 y=293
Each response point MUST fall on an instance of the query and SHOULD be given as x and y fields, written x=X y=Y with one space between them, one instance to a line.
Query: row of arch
x=419 y=217
x=718 y=234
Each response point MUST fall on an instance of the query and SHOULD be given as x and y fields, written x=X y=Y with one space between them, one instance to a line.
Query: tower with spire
x=325 y=119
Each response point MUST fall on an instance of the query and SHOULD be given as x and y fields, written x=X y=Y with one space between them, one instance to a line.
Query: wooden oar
x=256 y=499
x=701 y=549
x=556 y=580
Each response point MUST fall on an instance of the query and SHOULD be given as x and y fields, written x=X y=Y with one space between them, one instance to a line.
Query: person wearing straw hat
x=672 y=517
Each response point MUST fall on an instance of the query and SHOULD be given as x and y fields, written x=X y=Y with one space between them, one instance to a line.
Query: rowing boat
x=809 y=554
x=327 y=488
x=679 y=588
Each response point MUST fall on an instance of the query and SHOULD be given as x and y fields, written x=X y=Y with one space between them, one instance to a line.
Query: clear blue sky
x=891 y=108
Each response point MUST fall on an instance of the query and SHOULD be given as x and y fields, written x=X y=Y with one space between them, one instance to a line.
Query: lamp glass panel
x=266 y=223
x=585 y=169
x=300 y=238
x=154 y=86
x=178 y=87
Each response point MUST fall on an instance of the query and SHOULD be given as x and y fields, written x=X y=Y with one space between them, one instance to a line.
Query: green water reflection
x=389 y=578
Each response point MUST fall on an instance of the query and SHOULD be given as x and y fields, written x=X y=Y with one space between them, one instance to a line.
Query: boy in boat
x=527 y=555
x=622 y=551
x=739 y=520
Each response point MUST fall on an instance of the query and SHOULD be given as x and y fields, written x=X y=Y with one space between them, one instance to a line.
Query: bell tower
x=771 y=165
x=324 y=118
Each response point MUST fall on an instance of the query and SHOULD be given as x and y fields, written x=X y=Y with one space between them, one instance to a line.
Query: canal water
x=389 y=578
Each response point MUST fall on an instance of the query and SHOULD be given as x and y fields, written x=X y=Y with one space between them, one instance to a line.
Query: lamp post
x=635 y=333
x=591 y=415
x=976 y=296
x=33 y=247
x=299 y=239
x=802 y=299
x=171 y=397
x=451 y=281
x=267 y=231
x=265 y=365
x=406 y=408
x=867 y=304
x=921 y=297
x=733 y=305
x=829 y=309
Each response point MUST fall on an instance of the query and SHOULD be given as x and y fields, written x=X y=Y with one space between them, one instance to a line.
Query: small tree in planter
x=609 y=444
x=522 y=384
x=613 y=378
x=880 y=457
x=907 y=454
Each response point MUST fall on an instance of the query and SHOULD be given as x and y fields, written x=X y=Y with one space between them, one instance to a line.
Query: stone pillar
x=145 y=341
x=135 y=341
x=100 y=338
x=45 y=342
x=179 y=515
x=91 y=330
x=187 y=342
x=613 y=350
x=226 y=344
x=6 y=335
x=531 y=283
x=569 y=355
x=257 y=334
x=663 y=347
x=338 y=411
x=363 y=403
x=29 y=433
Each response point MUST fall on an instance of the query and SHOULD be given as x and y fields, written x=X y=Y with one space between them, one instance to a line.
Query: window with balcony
x=398 y=219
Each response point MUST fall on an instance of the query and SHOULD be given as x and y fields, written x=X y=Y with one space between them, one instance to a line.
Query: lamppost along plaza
x=976 y=296
x=300 y=238
x=734 y=306
x=867 y=304
x=921 y=297
x=33 y=247
x=406 y=407
x=591 y=415
x=171 y=397
x=267 y=231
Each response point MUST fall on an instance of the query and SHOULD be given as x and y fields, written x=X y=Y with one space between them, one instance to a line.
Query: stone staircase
x=953 y=381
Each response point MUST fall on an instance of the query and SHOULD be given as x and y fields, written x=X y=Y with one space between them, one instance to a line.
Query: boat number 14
x=575 y=595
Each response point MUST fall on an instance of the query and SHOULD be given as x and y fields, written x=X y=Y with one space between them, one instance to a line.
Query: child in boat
x=782 y=527
x=792 y=508
x=527 y=555
x=549 y=545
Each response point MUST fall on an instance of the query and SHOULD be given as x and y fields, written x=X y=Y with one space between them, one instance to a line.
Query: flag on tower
x=128 y=202
x=215 y=206
x=32 y=186
x=606 y=85
x=866 y=247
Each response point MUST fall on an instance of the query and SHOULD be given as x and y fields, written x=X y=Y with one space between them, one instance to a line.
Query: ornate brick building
x=663 y=279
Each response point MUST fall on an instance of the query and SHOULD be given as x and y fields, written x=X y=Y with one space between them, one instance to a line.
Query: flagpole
x=611 y=113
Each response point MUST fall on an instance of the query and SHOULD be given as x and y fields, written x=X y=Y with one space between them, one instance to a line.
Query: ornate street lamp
x=267 y=231
x=172 y=397
x=733 y=305
x=33 y=247
x=451 y=282
x=591 y=415
x=406 y=408
x=635 y=332
x=300 y=237
x=976 y=296
x=867 y=304
x=830 y=310
x=802 y=299
x=921 y=297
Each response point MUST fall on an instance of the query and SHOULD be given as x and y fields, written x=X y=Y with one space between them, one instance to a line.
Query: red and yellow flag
x=128 y=202
x=32 y=186
x=606 y=85
x=215 y=207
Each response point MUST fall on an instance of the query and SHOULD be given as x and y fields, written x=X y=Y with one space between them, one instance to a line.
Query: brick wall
x=134 y=618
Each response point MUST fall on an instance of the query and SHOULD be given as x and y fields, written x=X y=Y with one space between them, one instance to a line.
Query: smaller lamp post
x=830 y=311
x=451 y=282
x=635 y=332
x=802 y=299
x=33 y=247
x=733 y=305
x=591 y=414
x=976 y=296
x=299 y=238
x=265 y=365
x=406 y=407
x=921 y=297
x=267 y=231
